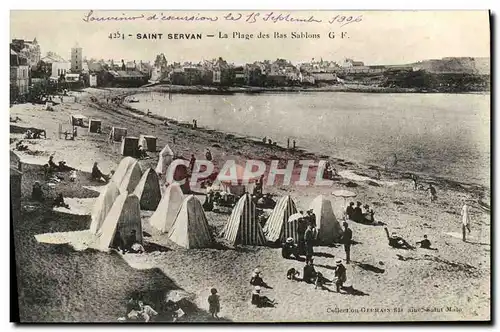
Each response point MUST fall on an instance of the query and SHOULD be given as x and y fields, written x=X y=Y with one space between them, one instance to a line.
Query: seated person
x=20 y=146
x=69 y=136
x=73 y=176
x=59 y=202
x=259 y=300
x=268 y=202
x=425 y=243
x=64 y=168
x=132 y=245
x=208 y=205
x=52 y=164
x=141 y=152
x=289 y=248
x=357 y=213
x=256 y=279
x=172 y=309
x=146 y=312
x=396 y=241
x=97 y=174
x=118 y=243
x=368 y=213
x=37 y=192
x=28 y=134
x=350 y=210
x=309 y=275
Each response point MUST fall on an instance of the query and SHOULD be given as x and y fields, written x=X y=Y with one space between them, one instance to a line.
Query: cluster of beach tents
x=182 y=217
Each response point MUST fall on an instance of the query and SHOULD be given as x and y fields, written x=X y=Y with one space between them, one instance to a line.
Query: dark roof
x=126 y=74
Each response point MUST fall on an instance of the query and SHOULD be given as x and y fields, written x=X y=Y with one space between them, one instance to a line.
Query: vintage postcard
x=250 y=166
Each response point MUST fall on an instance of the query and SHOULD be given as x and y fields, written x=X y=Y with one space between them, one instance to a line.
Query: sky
x=375 y=37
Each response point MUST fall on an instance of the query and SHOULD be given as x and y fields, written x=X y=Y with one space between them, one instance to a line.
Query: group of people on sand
x=360 y=213
x=138 y=311
x=35 y=134
x=396 y=241
x=430 y=188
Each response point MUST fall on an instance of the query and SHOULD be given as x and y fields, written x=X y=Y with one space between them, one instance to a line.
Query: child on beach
x=213 y=302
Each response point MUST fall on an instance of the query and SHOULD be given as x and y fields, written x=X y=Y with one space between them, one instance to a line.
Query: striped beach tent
x=277 y=226
x=329 y=230
x=243 y=227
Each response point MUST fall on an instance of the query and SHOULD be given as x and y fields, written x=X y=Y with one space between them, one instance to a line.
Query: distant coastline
x=201 y=89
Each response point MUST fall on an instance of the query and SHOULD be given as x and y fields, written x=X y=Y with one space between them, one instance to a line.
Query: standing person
x=340 y=275
x=432 y=192
x=288 y=143
x=312 y=217
x=309 y=242
x=214 y=303
x=208 y=155
x=465 y=219
x=191 y=162
x=301 y=229
x=414 y=178
x=346 y=240
x=294 y=144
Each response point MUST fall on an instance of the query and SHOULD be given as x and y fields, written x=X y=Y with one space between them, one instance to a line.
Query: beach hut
x=130 y=146
x=329 y=229
x=124 y=216
x=95 y=126
x=242 y=226
x=102 y=206
x=15 y=193
x=236 y=181
x=148 y=142
x=168 y=208
x=77 y=120
x=117 y=134
x=148 y=190
x=278 y=227
x=190 y=229
x=15 y=161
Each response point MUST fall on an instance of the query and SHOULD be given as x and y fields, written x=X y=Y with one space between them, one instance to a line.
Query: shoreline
x=354 y=88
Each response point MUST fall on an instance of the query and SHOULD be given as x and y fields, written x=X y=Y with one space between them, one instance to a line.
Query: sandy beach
x=58 y=283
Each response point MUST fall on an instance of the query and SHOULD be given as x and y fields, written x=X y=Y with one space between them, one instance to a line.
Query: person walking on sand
x=214 y=303
x=465 y=220
x=432 y=193
x=346 y=240
x=208 y=155
x=340 y=275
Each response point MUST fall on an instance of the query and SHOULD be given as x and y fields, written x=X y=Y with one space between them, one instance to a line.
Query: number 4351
x=116 y=35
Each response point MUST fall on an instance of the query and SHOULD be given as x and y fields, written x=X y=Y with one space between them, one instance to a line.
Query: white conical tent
x=166 y=212
x=148 y=190
x=277 y=226
x=190 y=229
x=131 y=178
x=329 y=230
x=166 y=158
x=242 y=226
x=102 y=205
x=122 y=169
x=124 y=216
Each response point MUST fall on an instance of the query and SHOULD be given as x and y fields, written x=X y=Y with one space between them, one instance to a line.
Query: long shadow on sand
x=352 y=291
x=369 y=267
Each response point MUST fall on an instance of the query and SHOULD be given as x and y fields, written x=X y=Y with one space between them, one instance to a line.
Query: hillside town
x=33 y=75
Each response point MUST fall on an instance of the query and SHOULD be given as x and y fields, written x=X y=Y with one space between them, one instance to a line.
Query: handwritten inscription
x=250 y=18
